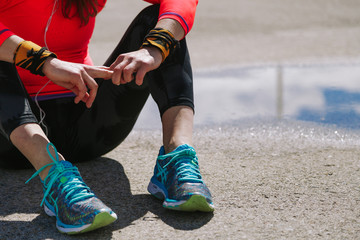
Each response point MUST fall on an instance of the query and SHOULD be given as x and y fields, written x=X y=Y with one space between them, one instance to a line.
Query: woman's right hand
x=79 y=78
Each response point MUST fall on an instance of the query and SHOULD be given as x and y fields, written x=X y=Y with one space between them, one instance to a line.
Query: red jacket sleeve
x=181 y=11
x=4 y=33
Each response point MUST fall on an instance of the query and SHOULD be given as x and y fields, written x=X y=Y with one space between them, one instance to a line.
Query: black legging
x=80 y=133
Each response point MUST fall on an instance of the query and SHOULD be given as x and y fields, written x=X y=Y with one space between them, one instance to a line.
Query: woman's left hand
x=135 y=65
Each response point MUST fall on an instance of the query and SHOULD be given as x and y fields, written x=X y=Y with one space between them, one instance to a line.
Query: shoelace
x=186 y=165
x=73 y=185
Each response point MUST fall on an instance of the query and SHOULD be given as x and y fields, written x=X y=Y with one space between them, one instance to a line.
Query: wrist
x=32 y=57
x=161 y=39
x=155 y=53
x=48 y=65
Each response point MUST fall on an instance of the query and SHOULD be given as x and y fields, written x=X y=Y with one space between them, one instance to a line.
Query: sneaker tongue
x=66 y=164
x=65 y=176
x=182 y=147
x=178 y=149
x=60 y=167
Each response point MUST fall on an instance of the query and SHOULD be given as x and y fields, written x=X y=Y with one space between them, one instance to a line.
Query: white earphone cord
x=42 y=112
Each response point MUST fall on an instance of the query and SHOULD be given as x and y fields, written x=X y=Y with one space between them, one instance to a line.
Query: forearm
x=7 y=49
x=172 y=26
x=181 y=11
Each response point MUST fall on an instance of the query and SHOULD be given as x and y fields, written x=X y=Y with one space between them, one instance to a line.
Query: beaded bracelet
x=161 y=39
x=32 y=57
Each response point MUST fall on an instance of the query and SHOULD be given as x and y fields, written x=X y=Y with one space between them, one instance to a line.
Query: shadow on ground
x=21 y=216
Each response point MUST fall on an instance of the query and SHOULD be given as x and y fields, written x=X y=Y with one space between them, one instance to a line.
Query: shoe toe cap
x=186 y=190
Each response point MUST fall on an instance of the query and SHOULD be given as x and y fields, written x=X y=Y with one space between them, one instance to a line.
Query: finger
x=107 y=68
x=79 y=83
x=116 y=77
x=128 y=72
x=118 y=60
x=81 y=93
x=139 y=78
x=104 y=67
x=118 y=72
x=117 y=68
x=122 y=81
x=76 y=92
x=92 y=86
x=86 y=98
x=99 y=72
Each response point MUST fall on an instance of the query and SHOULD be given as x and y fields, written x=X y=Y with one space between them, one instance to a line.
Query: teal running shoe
x=177 y=181
x=70 y=200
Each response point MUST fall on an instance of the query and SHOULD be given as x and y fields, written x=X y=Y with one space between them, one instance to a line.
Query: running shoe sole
x=194 y=203
x=101 y=220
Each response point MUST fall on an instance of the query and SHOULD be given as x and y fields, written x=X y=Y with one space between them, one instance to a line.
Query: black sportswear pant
x=80 y=133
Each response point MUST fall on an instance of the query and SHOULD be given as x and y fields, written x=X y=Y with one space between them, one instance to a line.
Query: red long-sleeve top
x=68 y=38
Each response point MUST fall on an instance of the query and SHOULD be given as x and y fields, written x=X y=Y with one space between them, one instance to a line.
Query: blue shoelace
x=70 y=181
x=186 y=165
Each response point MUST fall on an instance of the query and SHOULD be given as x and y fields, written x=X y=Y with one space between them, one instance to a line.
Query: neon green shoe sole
x=100 y=220
x=194 y=203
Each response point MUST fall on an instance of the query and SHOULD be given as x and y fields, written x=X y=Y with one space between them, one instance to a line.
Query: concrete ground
x=269 y=179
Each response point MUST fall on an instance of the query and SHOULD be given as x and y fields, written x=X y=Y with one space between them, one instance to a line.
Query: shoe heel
x=48 y=211
x=156 y=191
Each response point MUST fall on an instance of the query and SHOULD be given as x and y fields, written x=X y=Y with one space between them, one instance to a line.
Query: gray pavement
x=270 y=178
